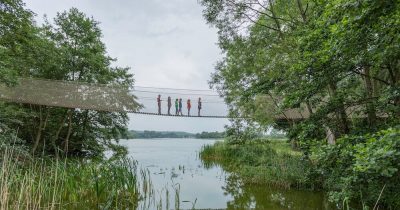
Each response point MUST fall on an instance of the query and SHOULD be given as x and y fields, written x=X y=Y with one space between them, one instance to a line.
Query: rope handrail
x=98 y=97
x=173 y=115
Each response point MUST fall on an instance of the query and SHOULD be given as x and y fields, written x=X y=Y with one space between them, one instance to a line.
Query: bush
x=362 y=168
x=303 y=134
x=260 y=162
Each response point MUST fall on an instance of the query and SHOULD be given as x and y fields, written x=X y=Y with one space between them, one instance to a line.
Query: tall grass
x=68 y=184
x=260 y=162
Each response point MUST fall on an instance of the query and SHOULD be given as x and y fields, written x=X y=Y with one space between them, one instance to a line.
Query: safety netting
x=118 y=98
x=70 y=94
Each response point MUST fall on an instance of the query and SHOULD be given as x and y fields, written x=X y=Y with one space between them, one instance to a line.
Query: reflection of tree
x=241 y=198
x=247 y=196
x=207 y=163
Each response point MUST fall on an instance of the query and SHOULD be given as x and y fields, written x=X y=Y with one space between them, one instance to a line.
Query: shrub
x=362 y=168
x=260 y=162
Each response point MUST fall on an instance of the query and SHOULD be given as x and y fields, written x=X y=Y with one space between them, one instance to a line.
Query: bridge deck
x=173 y=115
x=80 y=95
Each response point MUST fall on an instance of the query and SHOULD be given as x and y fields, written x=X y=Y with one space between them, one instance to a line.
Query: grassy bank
x=260 y=162
x=68 y=184
x=358 y=172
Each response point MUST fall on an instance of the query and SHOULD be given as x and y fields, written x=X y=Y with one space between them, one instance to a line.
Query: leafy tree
x=70 y=49
x=337 y=60
x=17 y=57
x=361 y=167
x=84 y=59
x=318 y=56
x=16 y=32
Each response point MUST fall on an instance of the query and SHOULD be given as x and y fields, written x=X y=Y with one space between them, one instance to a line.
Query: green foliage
x=159 y=134
x=238 y=132
x=361 y=167
x=171 y=134
x=16 y=32
x=71 y=184
x=338 y=59
x=210 y=135
x=306 y=133
x=68 y=49
x=260 y=162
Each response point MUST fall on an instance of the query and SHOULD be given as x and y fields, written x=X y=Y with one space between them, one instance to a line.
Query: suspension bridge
x=117 y=98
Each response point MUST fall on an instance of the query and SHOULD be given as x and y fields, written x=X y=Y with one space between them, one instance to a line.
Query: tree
x=84 y=59
x=71 y=50
x=16 y=32
x=325 y=57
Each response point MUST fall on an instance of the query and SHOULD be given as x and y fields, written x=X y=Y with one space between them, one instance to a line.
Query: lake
x=174 y=166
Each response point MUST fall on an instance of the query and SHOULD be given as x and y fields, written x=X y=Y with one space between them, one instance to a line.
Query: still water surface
x=174 y=163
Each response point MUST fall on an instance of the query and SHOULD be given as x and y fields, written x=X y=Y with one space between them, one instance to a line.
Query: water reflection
x=265 y=197
x=181 y=179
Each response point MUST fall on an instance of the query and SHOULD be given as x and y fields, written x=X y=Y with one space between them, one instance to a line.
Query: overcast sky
x=166 y=44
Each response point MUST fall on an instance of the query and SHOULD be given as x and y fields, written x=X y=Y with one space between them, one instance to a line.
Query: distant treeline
x=172 y=134
x=132 y=134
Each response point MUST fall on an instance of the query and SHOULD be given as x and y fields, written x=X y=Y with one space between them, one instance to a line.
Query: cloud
x=166 y=44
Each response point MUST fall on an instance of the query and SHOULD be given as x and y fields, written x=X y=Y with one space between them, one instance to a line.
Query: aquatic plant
x=67 y=184
x=262 y=162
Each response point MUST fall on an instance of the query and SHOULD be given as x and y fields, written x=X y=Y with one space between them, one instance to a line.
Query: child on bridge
x=176 y=107
x=199 y=106
x=169 y=105
x=189 y=105
x=159 y=104
x=180 y=107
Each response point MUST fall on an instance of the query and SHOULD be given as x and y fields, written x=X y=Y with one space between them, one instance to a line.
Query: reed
x=260 y=162
x=67 y=184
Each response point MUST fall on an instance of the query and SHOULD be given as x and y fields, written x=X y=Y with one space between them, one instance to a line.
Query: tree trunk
x=392 y=75
x=309 y=108
x=282 y=112
x=57 y=135
x=38 y=132
x=85 y=124
x=394 y=80
x=340 y=111
x=330 y=136
x=278 y=25
x=371 y=112
x=302 y=12
x=66 y=142
x=41 y=127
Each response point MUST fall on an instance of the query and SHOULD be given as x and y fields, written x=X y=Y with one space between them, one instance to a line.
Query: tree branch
x=257 y=23
x=372 y=77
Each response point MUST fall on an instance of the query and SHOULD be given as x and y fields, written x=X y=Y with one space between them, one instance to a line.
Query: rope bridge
x=173 y=115
x=114 y=98
x=81 y=95
x=68 y=94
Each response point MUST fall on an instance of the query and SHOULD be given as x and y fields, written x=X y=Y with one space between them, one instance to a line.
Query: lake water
x=174 y=165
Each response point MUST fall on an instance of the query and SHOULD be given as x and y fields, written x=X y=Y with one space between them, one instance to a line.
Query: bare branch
x=257 y=23
x=255 y=10
x=372 y=77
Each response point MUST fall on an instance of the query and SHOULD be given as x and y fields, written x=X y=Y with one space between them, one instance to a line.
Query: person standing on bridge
x=199 y=106
x=189 y=105
x=159 y=104
x=180 y=107
x=176 y=106
x=169 y=105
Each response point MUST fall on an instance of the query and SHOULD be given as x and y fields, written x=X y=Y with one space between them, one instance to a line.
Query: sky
x=166 y=44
